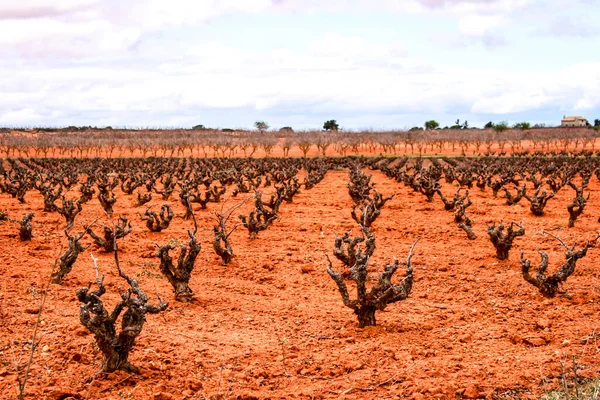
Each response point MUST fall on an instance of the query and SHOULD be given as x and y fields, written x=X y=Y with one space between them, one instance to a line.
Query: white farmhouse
x=573 y=122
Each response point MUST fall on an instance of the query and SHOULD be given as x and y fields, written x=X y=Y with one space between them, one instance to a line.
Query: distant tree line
x=328 y=126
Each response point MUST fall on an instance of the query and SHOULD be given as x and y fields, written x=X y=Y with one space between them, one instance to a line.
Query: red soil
x=272 y=324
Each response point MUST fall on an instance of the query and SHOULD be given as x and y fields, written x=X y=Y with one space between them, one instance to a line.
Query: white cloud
x=478 y=25
x=456 y=7
x=90 y=28
x=583 y=26
x=586 y=104
x=74 y=29
x=508 y=103
x=225 y=77
x=23 y=117
x=109 y=61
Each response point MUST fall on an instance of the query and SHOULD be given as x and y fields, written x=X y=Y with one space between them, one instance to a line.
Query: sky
x=369 y=64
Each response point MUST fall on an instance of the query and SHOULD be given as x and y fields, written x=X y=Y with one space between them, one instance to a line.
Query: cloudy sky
x=366 y=63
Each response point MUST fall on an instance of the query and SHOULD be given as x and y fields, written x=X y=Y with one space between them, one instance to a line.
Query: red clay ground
x=272 y=324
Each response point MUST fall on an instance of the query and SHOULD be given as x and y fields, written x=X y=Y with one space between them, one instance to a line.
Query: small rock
x=402 y=356
x=227 y=374
x=119 y=375
x=49 y=389
x=32 y=310
x=261 y=373
x=427 y=326
x=515 y=338
x=587 y=373
x=240 y=376
x=471 y=392
x=579 y=299
x=466 y=338
x=542 y=324
x=305 y=269
x=353 y=365
x=535 y=341
x=195 y=385
x=434 y=390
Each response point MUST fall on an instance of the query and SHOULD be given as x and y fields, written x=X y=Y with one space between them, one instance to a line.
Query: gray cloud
x=43 y=9
x=31 y=13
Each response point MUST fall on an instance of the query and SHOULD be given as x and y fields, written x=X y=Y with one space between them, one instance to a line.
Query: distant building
x=573 y=122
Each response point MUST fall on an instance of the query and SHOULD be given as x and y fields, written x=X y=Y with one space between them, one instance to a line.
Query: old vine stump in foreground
x=382 y=294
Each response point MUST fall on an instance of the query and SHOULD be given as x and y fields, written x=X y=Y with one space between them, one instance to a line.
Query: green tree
x=500 y=127
x=597 y=122
x=198 y=127
x=286 y=129
x=431 y=125
x=457 y=125
x=261 y=126
x=522 y=125
x=489 y=125
x=331 y=125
